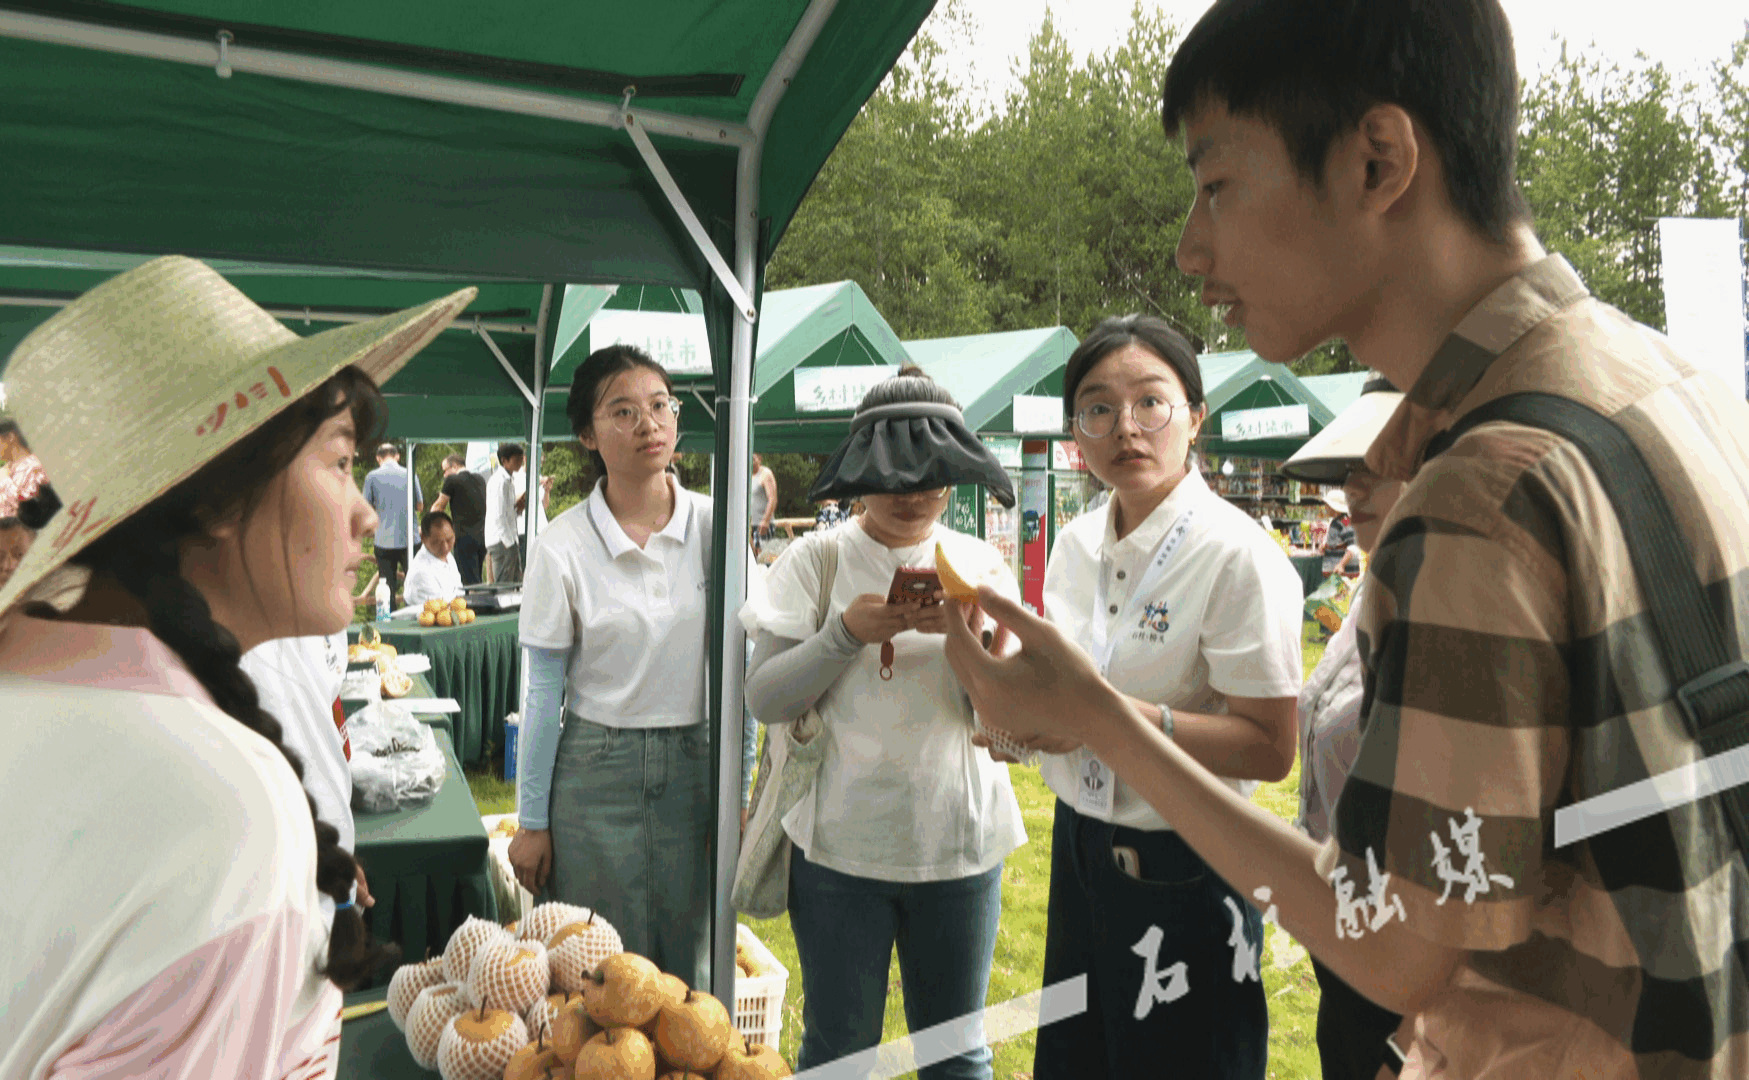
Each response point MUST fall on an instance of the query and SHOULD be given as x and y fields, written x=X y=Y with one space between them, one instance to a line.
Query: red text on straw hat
x=217 y=419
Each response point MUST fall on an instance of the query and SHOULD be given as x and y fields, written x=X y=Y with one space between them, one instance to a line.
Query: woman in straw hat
x=1351 y=1029
x=160 y=905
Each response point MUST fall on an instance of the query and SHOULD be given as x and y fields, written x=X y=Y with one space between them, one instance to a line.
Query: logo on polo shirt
x=1155 y=617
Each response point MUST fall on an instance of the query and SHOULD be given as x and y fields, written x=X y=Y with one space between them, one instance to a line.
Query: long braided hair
x=143 y=556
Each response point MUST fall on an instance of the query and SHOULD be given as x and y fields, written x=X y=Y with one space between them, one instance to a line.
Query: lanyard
x=1105 y=622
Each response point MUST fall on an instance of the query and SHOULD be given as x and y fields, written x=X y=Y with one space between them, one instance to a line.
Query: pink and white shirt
x=159 y=902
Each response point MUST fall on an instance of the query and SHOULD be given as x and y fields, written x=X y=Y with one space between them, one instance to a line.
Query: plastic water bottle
x=383 y=600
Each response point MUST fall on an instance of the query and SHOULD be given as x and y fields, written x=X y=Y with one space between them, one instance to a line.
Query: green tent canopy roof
x=985 y=371
x=114 y=151
x=1337 y=392
x=1240 y=380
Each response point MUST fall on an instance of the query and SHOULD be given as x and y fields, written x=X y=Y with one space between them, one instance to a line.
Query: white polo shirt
x=1224 y=619
x=500 y=508
x=432 y=578
x=634 y=619
x=902 y=794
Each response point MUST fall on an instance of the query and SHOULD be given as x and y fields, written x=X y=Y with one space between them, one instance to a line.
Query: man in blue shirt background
x=385 y=488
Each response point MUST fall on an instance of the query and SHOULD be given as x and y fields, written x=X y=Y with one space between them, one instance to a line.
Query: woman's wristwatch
x=1166 y=719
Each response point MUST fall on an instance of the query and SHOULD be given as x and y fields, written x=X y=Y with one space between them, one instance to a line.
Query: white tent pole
x=538 y=399
x=532 y=467
x=412 y=515
x=736 y=408
x=367 y=77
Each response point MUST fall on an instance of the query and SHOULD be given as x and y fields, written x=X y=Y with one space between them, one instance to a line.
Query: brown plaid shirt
x=1510 y=670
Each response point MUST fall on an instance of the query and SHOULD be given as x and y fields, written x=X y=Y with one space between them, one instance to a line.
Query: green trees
x=1065 y=204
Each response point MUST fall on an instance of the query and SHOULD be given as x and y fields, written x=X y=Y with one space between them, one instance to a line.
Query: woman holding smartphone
x=614 y=779
x=902 y=840
x=1194 y=612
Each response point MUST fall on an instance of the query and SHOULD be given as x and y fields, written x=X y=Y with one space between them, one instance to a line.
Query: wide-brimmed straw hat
x=1327 y=456
x=134 y=386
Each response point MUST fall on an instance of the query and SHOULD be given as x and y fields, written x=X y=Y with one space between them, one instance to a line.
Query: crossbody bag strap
x=1712 y=685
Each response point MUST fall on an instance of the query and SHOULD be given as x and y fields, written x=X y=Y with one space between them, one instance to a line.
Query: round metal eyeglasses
x=1150 y=414
x=663 y=413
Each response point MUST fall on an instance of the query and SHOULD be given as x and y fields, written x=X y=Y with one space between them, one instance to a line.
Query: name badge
x=1095 y=788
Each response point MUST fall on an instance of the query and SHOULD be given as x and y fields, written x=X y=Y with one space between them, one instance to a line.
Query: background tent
x=1337 y=392
x=467 y=143
x=1235 y=382
x=985 y=371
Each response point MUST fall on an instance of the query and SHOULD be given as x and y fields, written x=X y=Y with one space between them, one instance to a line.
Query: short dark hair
x=432 y=519
x=912 y=383
x=591 y=379
x=509 y=450
x=10 y=427
x=9 y=523
x=1312 y=71
x=1148 y=331
x=457 y=460
x=388 y=449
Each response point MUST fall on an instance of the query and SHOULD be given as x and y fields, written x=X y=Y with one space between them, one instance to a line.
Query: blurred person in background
x=385 y=488
x=464 y=500
x=1351 y=1029
x=20 y=471
x=15 y=541
x=503 y=505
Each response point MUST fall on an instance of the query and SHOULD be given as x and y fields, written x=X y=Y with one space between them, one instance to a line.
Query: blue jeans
x=1218 y=1030
x=846 y=927
x=631 y=818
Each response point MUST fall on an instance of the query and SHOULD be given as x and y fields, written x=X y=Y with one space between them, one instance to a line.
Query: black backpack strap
x=1712 y=685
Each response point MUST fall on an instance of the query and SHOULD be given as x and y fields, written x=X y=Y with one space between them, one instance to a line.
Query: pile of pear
x=558 y=998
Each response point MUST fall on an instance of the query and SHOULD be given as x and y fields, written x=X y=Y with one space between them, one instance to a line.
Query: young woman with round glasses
x=614 y=784
x=1195 y=613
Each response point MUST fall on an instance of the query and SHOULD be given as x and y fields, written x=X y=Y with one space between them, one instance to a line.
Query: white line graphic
x=931 y=1045
x=1654 y=795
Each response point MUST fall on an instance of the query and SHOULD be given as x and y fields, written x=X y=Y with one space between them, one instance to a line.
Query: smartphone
x=913 y=585
x=1127 y=860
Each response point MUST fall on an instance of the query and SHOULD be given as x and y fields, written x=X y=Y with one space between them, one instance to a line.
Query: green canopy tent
x=457 y=144
x=1337 y=392
x=990 y=375
x=986 y=372
x=1241 y=382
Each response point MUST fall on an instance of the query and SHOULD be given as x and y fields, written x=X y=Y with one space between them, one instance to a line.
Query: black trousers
x=1351 y=1030
x=470 y=558
x=392 y=567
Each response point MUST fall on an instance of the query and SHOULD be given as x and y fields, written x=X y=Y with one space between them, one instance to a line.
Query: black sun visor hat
x=906 y=447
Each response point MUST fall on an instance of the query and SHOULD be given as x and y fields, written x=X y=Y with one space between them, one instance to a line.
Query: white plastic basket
x=514 y=901
x=759 y=998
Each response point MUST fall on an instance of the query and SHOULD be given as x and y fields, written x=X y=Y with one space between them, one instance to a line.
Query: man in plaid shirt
x=1355 y=175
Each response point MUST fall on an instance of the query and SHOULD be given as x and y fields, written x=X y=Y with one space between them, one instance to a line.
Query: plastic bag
x=396 y=762
x=1328 y=604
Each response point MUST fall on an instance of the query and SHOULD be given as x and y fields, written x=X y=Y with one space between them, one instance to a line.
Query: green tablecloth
x=371 y=1048
x=1311 y=568
x=427 y=867
x=479 y=665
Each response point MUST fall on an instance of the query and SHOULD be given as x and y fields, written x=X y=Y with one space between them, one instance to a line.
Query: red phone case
x=913 y=585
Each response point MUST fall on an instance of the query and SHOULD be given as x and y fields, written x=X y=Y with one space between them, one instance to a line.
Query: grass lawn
x=1020 y=942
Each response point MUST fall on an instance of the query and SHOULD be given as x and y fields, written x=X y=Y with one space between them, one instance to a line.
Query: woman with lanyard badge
x=1190 y=608
x=902 y=839
x=615 y=805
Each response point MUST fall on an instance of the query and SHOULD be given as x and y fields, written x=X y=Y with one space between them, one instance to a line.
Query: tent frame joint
x=504 y=362
x=677 y=199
